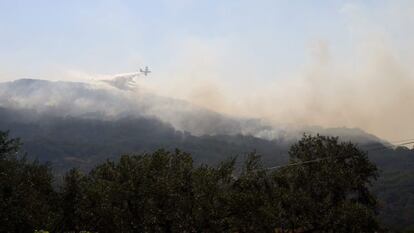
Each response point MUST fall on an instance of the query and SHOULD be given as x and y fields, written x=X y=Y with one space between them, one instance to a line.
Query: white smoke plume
x=368 y=86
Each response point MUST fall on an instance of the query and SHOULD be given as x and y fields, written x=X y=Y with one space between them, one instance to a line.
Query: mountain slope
x=78 y=125
x=87 y=121
x=102 y=101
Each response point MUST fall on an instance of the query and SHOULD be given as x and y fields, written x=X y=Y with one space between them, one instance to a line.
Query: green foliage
x=25 y=190
x=331 y=189
x=8 y=147
x=72 y=198
x=164 y=192
x=254 y=199
x=85 y=142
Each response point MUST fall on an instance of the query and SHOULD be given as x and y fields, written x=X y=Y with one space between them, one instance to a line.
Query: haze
x=331 y=64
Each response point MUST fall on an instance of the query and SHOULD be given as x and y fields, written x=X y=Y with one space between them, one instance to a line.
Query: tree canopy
x=26 y=192
x=324 y=188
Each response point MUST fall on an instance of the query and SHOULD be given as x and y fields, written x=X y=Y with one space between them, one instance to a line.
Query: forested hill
x=33 y=99
x=78 y=142
x=84 y=142
x=81 y=124
x=73 y=131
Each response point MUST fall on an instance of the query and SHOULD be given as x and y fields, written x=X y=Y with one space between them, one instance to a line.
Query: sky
x=264 y=58
x=49 y=39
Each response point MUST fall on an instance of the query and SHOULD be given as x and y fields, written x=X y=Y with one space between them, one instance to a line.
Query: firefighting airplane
x=145 y=71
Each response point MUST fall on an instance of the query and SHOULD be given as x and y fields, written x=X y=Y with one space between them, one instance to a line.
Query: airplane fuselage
x=146 y=71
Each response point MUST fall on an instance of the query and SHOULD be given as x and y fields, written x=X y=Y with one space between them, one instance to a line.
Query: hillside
x=73 y=123
x=81 y=125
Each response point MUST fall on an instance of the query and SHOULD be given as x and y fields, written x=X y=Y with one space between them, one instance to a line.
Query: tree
x=72 y=203
x=26 y=191
x=138 y=193
x=8 y=147
x=327 y=187
x=212 y=188
x=254 y=199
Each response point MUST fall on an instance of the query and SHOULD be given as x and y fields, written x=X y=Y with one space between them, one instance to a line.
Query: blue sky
x=43 y=38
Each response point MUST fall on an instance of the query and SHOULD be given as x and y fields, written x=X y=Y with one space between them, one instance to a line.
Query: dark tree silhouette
x=327 y=187
x=26 y=191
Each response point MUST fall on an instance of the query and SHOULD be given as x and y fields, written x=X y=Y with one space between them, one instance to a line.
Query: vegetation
x=325 y=189
x=26 y=191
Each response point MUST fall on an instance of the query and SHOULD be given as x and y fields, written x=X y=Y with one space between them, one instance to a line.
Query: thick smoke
x=374 y=93
x=377 y=95
x=368 y=86
x=114 y=99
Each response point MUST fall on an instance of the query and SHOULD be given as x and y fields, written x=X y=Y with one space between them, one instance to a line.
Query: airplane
x=145 y=71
